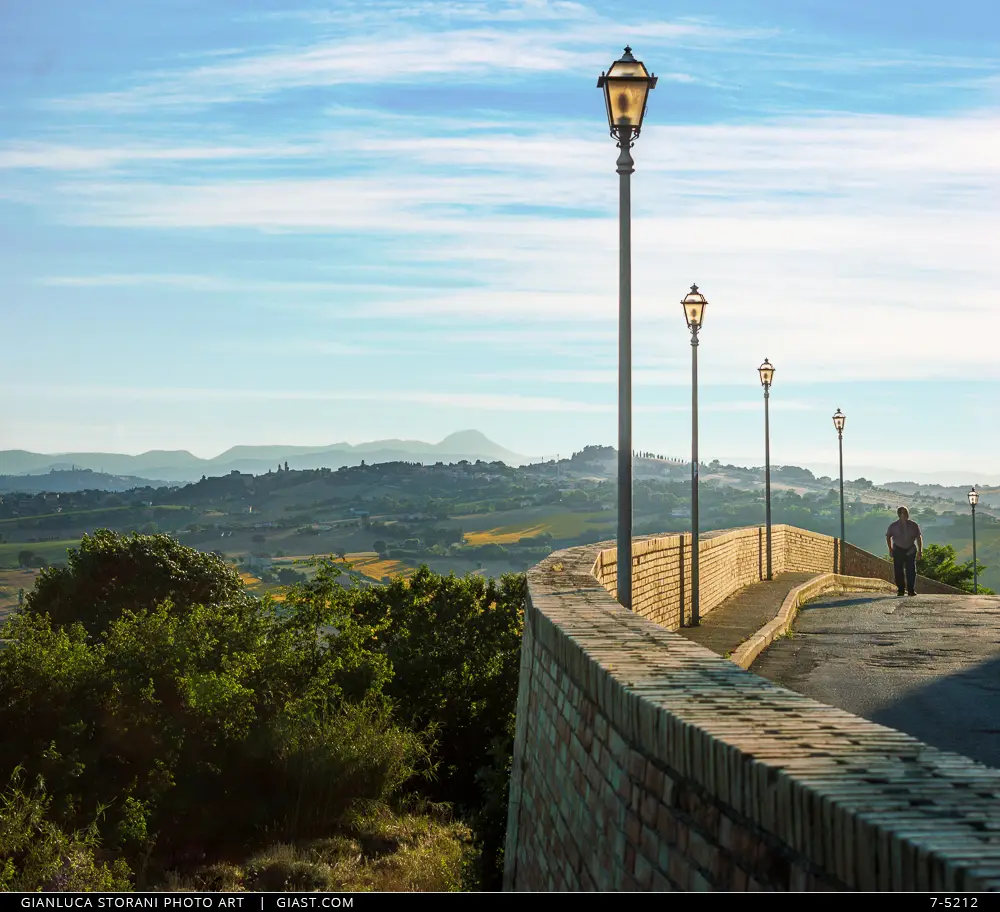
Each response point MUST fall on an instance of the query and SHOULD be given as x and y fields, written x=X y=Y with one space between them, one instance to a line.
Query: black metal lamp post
x=839 y=419
x=973 y=500
x=694 y=312
x=626 y=88
x=766 y=371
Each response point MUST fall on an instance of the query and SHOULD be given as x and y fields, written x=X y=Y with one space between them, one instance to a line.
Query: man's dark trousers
x=905 y=561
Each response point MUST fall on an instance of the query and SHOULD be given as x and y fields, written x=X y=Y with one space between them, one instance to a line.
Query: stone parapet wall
x=729 y=560
x=643 y=761
x=861 y=563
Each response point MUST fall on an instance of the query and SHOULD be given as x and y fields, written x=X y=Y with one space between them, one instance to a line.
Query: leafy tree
x=143 y=679
x=25 y=557
x=110 y=573
x=288 y=577
x=380 y=546
x=938 y=563
x=37 y=855
x=169 y=718
x=454 y=647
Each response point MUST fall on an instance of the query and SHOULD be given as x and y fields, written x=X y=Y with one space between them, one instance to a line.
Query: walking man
x=906 y=545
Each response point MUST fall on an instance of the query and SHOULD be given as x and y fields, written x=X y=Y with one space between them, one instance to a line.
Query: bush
x=454 y=646
x=35 y=853
x=171 y=719
x=281 y=869
x=146 y=681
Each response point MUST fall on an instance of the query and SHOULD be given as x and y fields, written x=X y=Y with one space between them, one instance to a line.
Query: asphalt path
x=927 y=665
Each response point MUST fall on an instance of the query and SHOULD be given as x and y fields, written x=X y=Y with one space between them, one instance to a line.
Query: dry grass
x=368 y=563
x=259 y=587
x=504 y=535
x=564 y=524
x=391 y=853
x=13 y=580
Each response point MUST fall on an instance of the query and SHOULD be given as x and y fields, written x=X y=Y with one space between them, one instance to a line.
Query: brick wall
x=861 y=563
x=645 y=762
x=730 y=560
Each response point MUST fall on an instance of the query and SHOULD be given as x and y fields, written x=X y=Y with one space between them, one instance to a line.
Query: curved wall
x=643 y=761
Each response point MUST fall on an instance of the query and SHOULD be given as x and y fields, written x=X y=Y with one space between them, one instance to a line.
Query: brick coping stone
x=870 y=807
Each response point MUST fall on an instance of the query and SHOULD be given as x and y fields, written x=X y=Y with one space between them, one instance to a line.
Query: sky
x=235 y=222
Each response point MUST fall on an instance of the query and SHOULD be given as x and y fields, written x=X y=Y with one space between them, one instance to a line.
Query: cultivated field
x=11 y=581
x=52 y=551
x=368 y=563
x=526 y=523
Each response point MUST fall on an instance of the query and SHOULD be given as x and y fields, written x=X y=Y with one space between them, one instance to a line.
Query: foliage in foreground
x=36 y=854
x=153 y=694
x=413 y=852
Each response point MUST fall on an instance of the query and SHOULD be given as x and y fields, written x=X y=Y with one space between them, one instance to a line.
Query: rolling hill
x=172 y=466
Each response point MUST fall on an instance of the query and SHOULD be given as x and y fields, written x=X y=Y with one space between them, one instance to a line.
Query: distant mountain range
x=21 y=470
x=63 y=482
x=180 y=466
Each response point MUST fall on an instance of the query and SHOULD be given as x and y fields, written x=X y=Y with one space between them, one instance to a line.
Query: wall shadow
x=958 y=712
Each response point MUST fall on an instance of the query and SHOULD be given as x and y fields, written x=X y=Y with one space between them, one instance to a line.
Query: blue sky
x=259 y=222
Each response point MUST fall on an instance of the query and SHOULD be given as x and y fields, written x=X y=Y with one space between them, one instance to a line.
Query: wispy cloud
x=430 y=186
x=203 y=283
x=420 y=41
x=483 y=401
x=58 y=157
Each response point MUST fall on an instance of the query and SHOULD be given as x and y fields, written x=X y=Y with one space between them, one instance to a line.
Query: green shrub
x=145 y=680
x=454 y=647
x=281 y=868
x=171 y=718
x=36 y=854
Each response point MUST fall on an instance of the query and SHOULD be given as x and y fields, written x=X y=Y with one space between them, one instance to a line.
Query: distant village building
x=259 y=561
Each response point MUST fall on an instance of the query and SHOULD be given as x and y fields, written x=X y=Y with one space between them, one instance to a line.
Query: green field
x=84 y=514
x=52 y=551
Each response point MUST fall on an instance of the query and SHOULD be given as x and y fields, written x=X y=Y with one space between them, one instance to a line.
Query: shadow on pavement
x=846 y=602
x=959 y=712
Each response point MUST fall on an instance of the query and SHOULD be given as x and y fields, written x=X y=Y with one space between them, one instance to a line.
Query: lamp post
x=694 y=312
x=973 y=500
x=626 y=87
x=766 y=371
x=839 y=418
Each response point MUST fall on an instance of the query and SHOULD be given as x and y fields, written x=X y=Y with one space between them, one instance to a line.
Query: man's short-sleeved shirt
x=904 y=533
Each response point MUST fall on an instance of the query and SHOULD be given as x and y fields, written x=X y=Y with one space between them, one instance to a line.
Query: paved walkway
x=744 y=613
x=928 y=666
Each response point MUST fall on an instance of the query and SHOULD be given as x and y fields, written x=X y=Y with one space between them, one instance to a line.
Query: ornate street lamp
x=839 y=419
x=626 y=88
x=973 y=500
x=694 y=313
x=766 y=371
